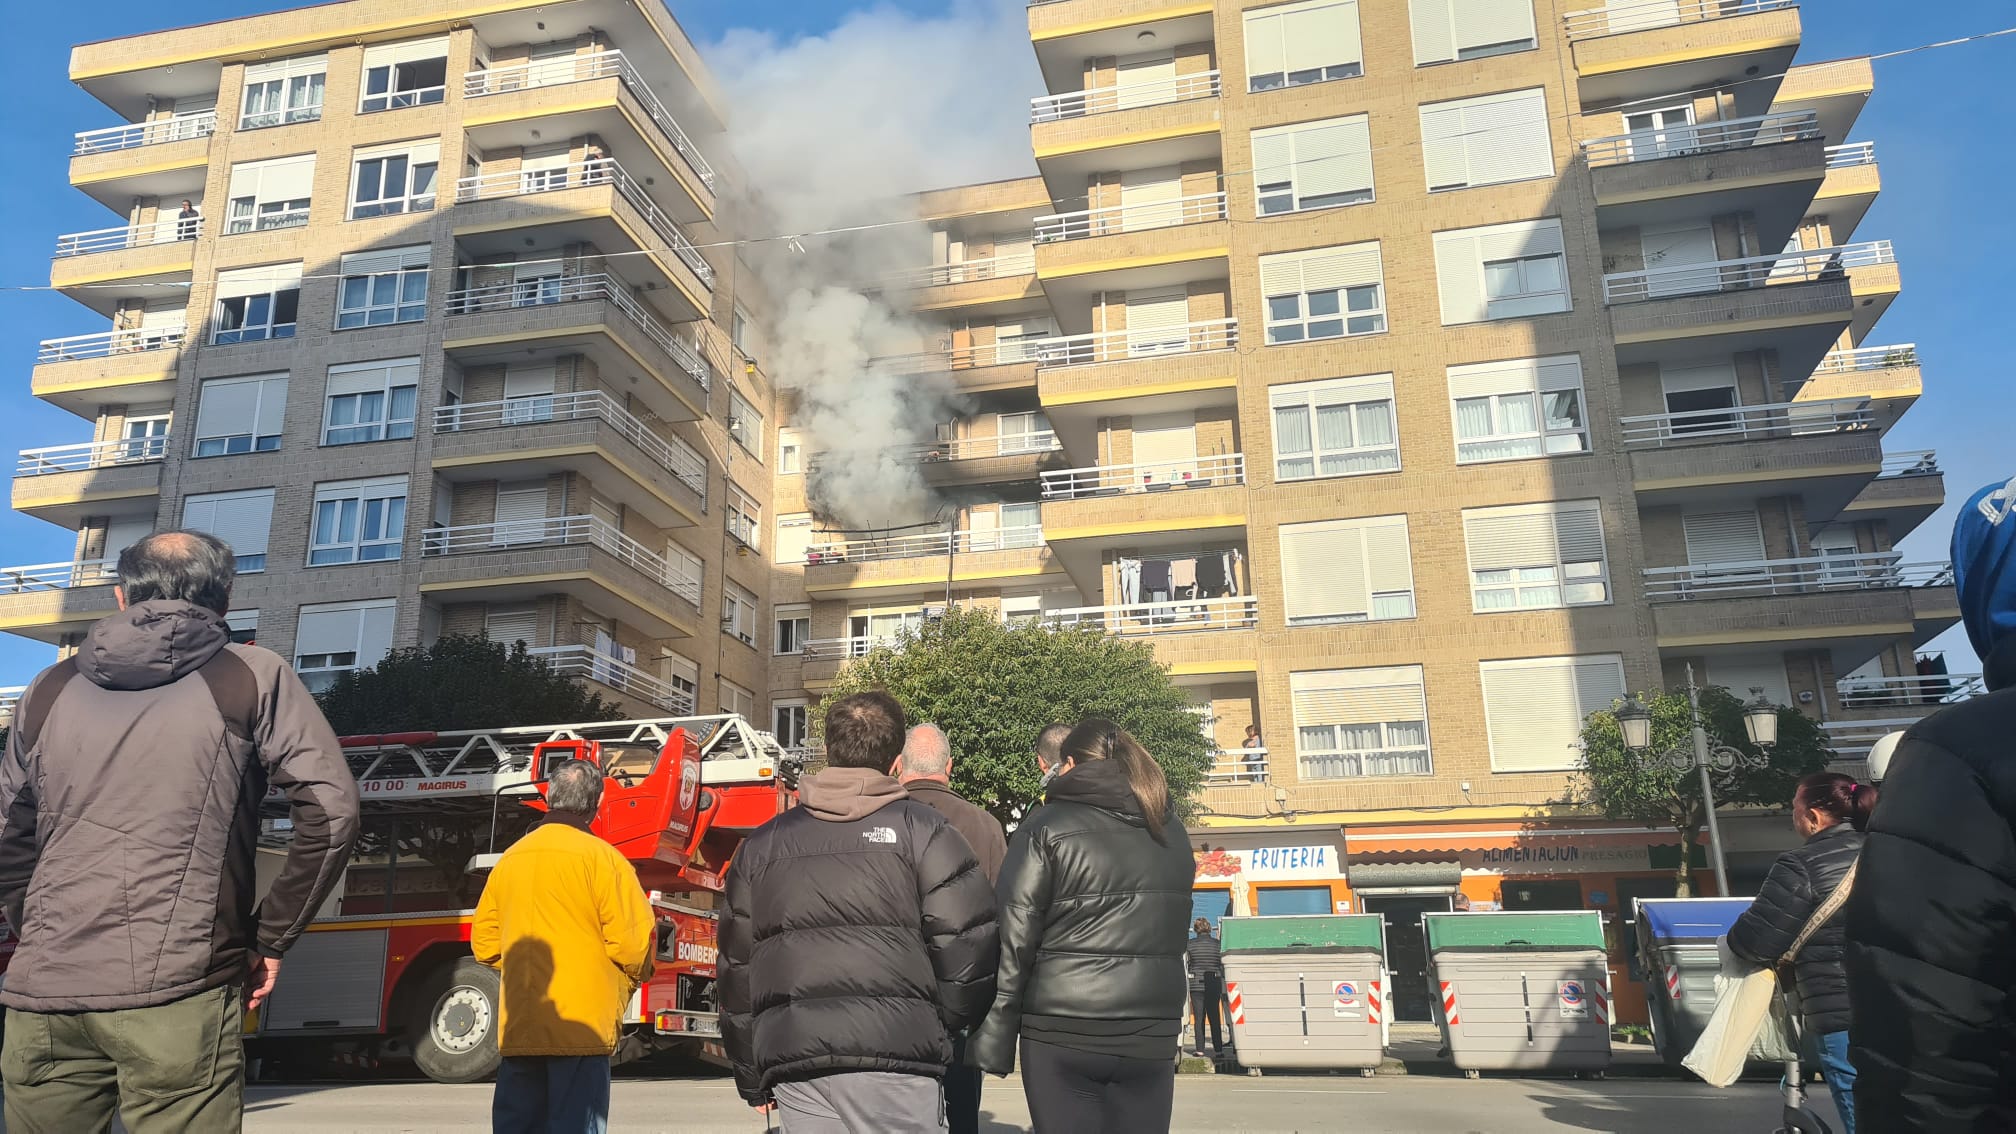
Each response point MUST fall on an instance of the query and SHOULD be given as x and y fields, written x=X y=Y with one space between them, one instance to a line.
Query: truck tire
x=455 y=1037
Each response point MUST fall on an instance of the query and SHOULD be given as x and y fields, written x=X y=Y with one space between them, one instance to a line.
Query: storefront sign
x=1269 y=864
x=1559 y=857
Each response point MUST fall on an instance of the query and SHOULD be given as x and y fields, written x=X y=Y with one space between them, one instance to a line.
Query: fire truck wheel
x=456 y=1041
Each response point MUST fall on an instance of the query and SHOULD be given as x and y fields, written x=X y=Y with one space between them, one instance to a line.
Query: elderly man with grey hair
x=925 y=769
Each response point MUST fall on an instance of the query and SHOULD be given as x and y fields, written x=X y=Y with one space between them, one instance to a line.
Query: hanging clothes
x=1183 y=578
x=1129 y=572
x=1155 y=580
x=1233 y=559
x=1211 y=576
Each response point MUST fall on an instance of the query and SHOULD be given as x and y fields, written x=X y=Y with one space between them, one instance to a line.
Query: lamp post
x=1760 y=722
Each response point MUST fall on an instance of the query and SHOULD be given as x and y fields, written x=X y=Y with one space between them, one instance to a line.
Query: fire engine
x=384 y=971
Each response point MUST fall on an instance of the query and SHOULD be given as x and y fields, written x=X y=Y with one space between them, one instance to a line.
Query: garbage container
x=1522 y=991
x=1306 y=990
x=1676 y=947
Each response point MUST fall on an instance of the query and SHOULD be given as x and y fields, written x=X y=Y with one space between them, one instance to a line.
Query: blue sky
x=1939 y=120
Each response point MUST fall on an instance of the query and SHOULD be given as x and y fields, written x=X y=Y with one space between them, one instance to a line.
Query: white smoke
x=835 y=131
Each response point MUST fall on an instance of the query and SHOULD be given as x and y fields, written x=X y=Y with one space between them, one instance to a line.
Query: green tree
x=993 y=687
x=1625 y=785
x=459 y=682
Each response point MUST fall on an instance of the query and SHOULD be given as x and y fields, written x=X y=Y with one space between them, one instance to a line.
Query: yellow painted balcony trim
x=937 y=577
x=49 y=389
x=555 y=452
x=180 y=263
x=15 y=623
x=699 y=411
x=1689 y=55
x=1005 y=296
x=675 y=161
x=202 y=158
x=85 y=497
x=1144 y=390
x=1196 y=669
x=1743 y=637
x=1170 y=13
x=1126 y=262
x=1190 y=131
x=1712 y=328
x=1400 y=816
x=1718 y=185
x=1753 y=476
x=1860 y=505
x=1141 y=527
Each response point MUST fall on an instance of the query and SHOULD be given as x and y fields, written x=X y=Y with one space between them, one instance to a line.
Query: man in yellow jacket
x=565 y=921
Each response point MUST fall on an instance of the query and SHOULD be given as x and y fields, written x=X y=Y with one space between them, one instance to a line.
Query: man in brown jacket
x=129 y=820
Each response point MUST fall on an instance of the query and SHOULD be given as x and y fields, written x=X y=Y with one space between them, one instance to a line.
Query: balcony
x=582 y=556
x=1631 y=49
x=985 y=460
x=593 y=313
x=1080 y=121
x=10 y=700
x=1888 y=376
x=661 y=478
x=1851 y=740
x=1873 y=279
x=48 y=600
x=615 y=675
x=1237 y=766
x=993 y=284
x=1851 y=185
x=602 y=93
x=920 y=565
x=1826 y=451
x=145 y=255
x=1131 y=236
x=1838 y=89
x=1769 y=165
x=65 y=483
x=1195 y=638
x=81 y=372
x=1855 y=604
x=1101 y=365
x=1725 y=306
x=176 y=152
x=1103 y=100
x=1908 y=490
x=1885 y=695
x=986 y=368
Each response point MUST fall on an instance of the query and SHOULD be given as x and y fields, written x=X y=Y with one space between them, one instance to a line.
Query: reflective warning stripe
x=1234 y=1003
x=1449 y=1003
x=1599 y=999
x=1673 y=983
x=1372 y=1005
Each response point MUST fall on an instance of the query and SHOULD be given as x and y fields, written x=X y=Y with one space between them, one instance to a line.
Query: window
x=414 y=73
x=1346 y=571
x=687 y=571
x=528 y=394
x=370 y=401
x=388 y=180
x=1534 y=707
x=243 y=625
x=1501 y=271
x=737 y=700
x=1520 y=408
x=1291 y=45
x=738 y=330
x=745 y=425
x=794 y=626
x=280 y=91
x=1354 y=723
x=240 y=415
x=683 y=675
x=790 y=452
x=388 y=285
x=270 y=194
x=1313 y=165
x=880 y=628
x=511 y=625
x=788 y=723
x=256 y=304
x=738 y=614
x=1026 y=433
x=794 y=538
x=519 y=513
x=1447 y=30
x=146 y=438
x=334 y=638
x=1695 y=390
x=1487 y=140
x=1531 y=556
x=745 y=517
x=357 y=521
x=1324 y=293
x=1338 y=427
x=240 y=519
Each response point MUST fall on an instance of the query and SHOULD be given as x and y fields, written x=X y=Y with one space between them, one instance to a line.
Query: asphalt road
x=1278 y=1104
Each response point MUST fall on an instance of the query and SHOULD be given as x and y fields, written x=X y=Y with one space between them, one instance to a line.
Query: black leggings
x=1204 y=1003
x=1073 y=1092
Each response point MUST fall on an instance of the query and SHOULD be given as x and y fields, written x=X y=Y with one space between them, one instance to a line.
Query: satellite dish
x=1879 y=755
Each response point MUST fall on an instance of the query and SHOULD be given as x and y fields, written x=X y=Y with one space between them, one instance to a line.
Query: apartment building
x=414 y=304
x=1415 y=379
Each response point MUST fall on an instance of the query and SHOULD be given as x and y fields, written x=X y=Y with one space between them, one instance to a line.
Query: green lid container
x=1305 y=932
x=1567 y=929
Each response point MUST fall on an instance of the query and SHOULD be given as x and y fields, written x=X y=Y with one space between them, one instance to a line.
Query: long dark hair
x=1096 y=739
x=1837 y=795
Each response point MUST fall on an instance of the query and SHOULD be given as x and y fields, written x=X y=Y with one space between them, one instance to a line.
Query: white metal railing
x=1236 y=612
x=1615 y=19
x=10 y=699
x=1725 y=275
x=876 y=548
x=837 y=649
x=169 y=231
x=1703 y=137
x=1109 y=219
x=1867 y=253
x=1851 y=154
x=550 y=531
x=672 y=454
x=1113 y=346
x=104 y=344
x=1909 y=462
x=1911 y=689
x=1851 y=740
x=570 y=289
x=58 y=576
x=966 y=271
x=1868 y=571
x=146 y=133
x=975 y=448
x=1238 y=766
x=586 y=661
x=581 y=69
x=1738 y=423
x=1098 y=100
x=1868 y=358
x=1144 y=476
x=91 y=455
x=600 y=171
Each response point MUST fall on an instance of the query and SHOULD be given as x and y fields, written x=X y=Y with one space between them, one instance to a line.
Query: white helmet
x=1880 y=753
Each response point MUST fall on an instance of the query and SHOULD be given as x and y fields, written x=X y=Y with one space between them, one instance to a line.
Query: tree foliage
x=1625 y=785
x=459 y=682
x=993 y=687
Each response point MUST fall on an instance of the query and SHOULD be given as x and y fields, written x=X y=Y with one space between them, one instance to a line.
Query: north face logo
x=880 y=834
x=1997 y=506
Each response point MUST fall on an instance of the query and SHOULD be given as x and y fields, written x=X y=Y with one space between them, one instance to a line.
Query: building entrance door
x=1412 y=995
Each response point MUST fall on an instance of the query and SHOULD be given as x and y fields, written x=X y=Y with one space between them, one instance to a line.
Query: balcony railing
x=53 y=459
x=1616 y=19
x=571 y=289
x=1851 y=740
x=168 y=231
x=1868 y=358
x=601 y=171
x=1703 y=137
x=840 y=649
x=586 y=661
x=1740 y=423
x=966 y=271
x=1099 y=100
x=551 y=531
x=581 y=69
x=1238 y=766
x=977 y=448
x=1910 y=462
x=1114 y=346
x=146 y=133
x=1144 y=476
x=1867 y=253
x=1873 y=571
x=673 y=455
x=1851 y=154
x=1235 y=612
x=104 y=344
x=1728 y=275
x=58 y=576
x=1200 y=209
x=877 y=548
x=1912 y=689
x=10 y=700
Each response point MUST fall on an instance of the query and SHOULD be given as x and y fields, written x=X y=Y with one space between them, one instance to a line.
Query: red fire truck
x=384 y=972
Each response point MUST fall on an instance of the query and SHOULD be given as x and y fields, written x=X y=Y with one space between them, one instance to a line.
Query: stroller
x=1796 y=1117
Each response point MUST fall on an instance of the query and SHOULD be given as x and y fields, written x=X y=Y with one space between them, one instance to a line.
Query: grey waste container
x=1307 y=990
x=1522 y=991
x=1676 y=947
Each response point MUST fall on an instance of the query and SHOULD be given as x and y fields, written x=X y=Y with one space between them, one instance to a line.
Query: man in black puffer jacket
x=859 y=936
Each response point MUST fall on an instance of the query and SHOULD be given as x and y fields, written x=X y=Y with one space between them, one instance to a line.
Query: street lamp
x=1760 y=722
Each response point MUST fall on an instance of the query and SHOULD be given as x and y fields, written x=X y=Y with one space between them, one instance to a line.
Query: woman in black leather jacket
x=1095 y=904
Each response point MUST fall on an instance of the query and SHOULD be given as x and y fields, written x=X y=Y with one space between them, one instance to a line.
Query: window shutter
x=374 y=637
x=1533 y=708
x=271 y=69
x=1442 y=146
x=272 y=407
x=1502 y=538
x=528 y=381
x=508 y=626
x=1322 y=35
x=1507 y=137
x=1578 y=532
x=1740 y=675
x=227 y=407
x=1482 y=23
x=1434 y=33
x=1388 y=564
x=1676 y=378
x=1723 y=537
x=1273 y=156
x=1335 y=391
x=1358 y=696
x=1459 y=277
x=241 y=519
x=1323 y=572
x=285 y=179
x=385 y=260
x=1157 y=310
x=1521 y=238
x=1266 y=50
x=1483 y=379
x=239 y=282
x=410 y=51
x=1562 y=372
x=370 y=377
x=327 y=630
x=1333 y=157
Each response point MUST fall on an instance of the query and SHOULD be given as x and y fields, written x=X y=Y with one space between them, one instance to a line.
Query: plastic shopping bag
x=1744 y=997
